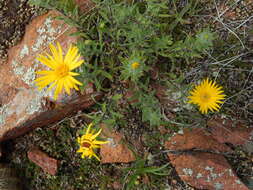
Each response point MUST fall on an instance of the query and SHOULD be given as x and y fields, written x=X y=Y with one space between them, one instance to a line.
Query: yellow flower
x=88 y=142
x=207 y=95
x=60 y=74
x=135 y=65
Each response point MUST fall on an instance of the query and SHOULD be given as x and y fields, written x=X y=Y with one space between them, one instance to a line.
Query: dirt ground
x=14 y=16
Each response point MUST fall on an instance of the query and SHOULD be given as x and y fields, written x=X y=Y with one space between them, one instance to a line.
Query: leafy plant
x=123 y=40
x=140 y=169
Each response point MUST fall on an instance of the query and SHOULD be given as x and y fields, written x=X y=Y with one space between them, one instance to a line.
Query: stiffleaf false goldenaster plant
x=88 y=142
x=207 y=95
x=59 y=75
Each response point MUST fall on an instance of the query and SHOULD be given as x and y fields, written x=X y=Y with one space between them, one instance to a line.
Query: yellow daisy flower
x=207 y=95
x=135 y=65
x=88 y=142
x=60 y=74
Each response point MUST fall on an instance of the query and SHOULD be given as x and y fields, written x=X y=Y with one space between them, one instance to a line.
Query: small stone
x=116 y=151
x=48 y=164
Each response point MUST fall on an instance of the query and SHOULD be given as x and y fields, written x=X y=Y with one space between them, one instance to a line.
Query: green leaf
x=107 y=75
x=117 y=97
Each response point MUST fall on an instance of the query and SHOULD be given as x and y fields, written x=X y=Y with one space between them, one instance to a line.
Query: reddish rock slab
x=195 y=139
x=22 y=106
x=206 y=171
x=228 y=131
x=198 y=159
x=48 y=164
x=51 y=116
x=116 y=151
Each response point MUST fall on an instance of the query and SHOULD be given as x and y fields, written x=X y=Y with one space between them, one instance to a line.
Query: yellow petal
x=43 y=83
x=95 y=136
x=44 y=72
x=88 y=130
x=58 y=89
x=75 y=81
x=76 y=64
x=75 y=87
x=66 y=87
x=96 y=157
x=80 y=149
x=60 y=52
x=51 y=86
x=71 y=54
x=45 y=61
x=68 y=53
x=100 y=142
x=54 y=52
x=73 y=74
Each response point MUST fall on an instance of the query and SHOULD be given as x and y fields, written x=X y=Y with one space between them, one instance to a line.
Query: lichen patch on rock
x=47 y=34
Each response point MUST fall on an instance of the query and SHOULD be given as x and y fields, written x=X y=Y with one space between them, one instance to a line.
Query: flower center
x=62 y=71
x=86 y=144
x=135 y=65
x=205 y=97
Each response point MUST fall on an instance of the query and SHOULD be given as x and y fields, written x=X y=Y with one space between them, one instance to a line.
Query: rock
x=22 y=106
x=198 y=160
x=228 y=131
x=206 y=171
x=48 y=164
x=115 y=151
x=195 y=139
